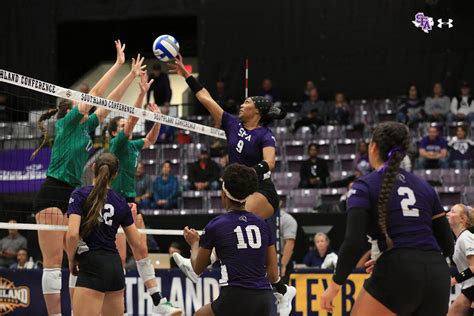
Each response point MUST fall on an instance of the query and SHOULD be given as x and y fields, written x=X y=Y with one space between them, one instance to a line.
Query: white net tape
x=23 y=226
x=124 y=109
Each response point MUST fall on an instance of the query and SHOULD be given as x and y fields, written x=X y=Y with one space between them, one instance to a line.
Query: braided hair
x=61 y=112
x=392 y=140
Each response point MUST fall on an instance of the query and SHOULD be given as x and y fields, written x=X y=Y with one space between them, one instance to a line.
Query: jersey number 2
x=254 y=241
x=109 y=212
x=408 y=202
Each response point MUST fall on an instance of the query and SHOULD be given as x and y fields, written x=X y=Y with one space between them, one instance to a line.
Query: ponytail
x=106 y=167
x=61 y=110
x=393 y=141
x=45 y=116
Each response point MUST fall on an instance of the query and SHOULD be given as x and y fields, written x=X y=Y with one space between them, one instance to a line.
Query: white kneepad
x=51 y=281
x=145 y=269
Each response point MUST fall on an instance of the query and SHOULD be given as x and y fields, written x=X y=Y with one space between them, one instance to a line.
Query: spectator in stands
x=221 y=96
x=437 y=106
x=314 y=172
x=461 y=149
x=10 y=245
x=203 y=174
x=339 y=110
x=320 y=256
x=167 y=132
x=433 y=151
x=143 y=187
x=411 y=109
x=165 y=188
x=224 y=160
x=268 y=91
x=361 y=162
x=462 y=107
x=288 y=229
x=309 y=86
x=218 y=148
x=312 y=113
x=160 y=86
x=22 y=261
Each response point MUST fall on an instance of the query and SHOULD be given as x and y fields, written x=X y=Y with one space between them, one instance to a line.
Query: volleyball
x=165 y=47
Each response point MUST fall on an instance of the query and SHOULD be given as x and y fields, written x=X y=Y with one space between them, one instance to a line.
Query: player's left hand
x=328 y=296
x=191 y=235
x=144 y=83
x=137 y=66
x=73 y=267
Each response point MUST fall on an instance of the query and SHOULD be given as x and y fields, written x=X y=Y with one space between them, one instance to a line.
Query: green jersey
x=127 y=152
x=71 y=147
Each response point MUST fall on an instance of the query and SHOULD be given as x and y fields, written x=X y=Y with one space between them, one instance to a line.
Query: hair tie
x=230 y=195
x=390 y=155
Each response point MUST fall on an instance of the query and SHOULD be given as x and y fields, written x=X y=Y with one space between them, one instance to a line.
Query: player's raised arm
x=119 y=91
x=200 y=92
x=144 y=87
x=152 y=135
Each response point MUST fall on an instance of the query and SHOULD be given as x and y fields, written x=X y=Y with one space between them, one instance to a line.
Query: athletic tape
x=125 y=109
x=25 y=226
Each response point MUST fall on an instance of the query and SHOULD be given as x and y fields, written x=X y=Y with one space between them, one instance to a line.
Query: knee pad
x=51 y=281
x=72 y=281
x=145 y=269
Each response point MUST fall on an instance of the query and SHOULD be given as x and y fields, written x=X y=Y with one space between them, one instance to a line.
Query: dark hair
x=106 y=167
x=268 y=111
x=113 y=125
x=166 y=161
x=22 y=248
x=61 y=111
x=388 y=136
x=464 y=128
x=313 y=145
x=240 y=181
x=176 y=245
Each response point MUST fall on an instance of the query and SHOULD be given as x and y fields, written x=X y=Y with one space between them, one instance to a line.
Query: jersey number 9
x=240 y=146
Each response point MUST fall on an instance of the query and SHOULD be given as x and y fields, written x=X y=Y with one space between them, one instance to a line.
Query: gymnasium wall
x=366 y=48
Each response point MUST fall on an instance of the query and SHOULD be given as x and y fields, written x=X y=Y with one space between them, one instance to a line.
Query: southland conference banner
x=20 y=292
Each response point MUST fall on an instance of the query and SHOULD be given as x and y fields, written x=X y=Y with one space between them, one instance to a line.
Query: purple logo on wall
x=425 y=23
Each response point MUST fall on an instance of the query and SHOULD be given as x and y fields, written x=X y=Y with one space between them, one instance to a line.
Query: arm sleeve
x=138 y=143
x=268 y=140
x=437 y=208
x=444 y=236
x=91 y=123
x=76 y=202
x=72 y=118
x=271 y=235
x=228 y=120
x=167 y=89
x=289 y=227
x=359 y=196
x=127 y=218
x=118 y=141
x=207 y=238
x=354 y=243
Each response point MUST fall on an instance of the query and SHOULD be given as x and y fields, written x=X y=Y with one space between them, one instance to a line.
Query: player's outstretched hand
x=120 y=52
x=190 y=235
x=154 y=108
x=369 y=266
x=328 y=296
x=73 y=266
x=144 y=83
x=177 y=67
x=137 y=66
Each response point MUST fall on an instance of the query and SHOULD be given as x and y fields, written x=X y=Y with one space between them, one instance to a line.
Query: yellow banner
x=309 y=288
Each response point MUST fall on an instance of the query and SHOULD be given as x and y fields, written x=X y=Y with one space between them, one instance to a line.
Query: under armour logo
x=449 y=23
x=425 y=23
x=243 y=218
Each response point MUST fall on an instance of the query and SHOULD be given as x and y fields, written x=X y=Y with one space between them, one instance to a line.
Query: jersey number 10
x=254 y=239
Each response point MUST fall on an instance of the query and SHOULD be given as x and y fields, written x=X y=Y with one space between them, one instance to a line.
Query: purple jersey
x=116 y=213
x=412 y=205
x=245 y=147
x=241 y=240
